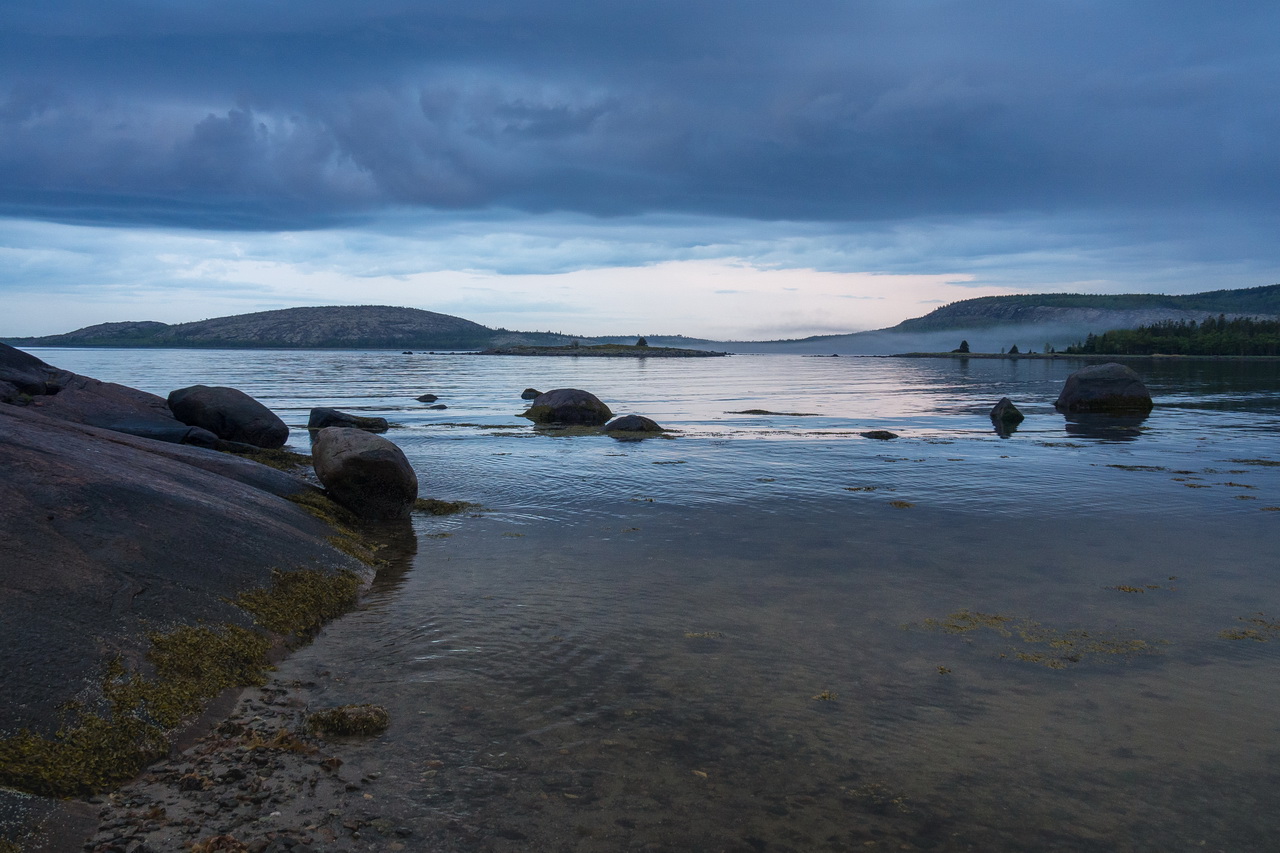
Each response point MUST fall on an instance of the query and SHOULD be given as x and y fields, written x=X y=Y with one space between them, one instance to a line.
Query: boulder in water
x=427 y=398
x=879 y=434
x=1107 y=387
x=366 y=473
x=568 y=406
x=323 y=417
x=1005 y=412
x=632 y=426
x=229 y=414
x=530 y=394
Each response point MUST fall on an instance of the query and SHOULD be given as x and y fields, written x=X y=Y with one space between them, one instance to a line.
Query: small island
x=640 y=349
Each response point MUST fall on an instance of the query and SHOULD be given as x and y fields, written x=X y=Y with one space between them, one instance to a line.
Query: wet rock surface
x=1006 y=413
x=1107 y=387
x=229 y=414
x=109 y=535
x=322 y=417
x=568 y=406
x=632 y=424
x=366 y=473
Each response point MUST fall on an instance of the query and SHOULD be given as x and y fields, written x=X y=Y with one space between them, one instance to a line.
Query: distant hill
x=333 y=327
x=994 y=323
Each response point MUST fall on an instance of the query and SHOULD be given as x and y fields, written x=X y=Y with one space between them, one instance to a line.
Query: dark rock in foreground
x=632 y=426
x=1005 y=412
x=568 y=406
x=107 y=536
x=27 y=381
x=323 y=417
x=229 y=414
x=366 y=473
x=1107 y=387
x=529 y=394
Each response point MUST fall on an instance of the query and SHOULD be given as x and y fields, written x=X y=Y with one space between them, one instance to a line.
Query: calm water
x=770 y=633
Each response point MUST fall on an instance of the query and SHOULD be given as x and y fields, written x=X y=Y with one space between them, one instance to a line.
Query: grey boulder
x=530 y=394
x=1107 y=387
x=229 y=414
x=568 y=406
x=323 y=417
x=366 y=473
x=632 y=426
x=1005 y=412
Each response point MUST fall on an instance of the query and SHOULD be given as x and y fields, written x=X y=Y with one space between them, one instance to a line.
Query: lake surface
x=767 y=632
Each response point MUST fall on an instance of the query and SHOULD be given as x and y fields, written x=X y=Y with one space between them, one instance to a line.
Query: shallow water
x=770 y=633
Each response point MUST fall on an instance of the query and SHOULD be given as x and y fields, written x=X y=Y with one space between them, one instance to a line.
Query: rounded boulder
x=366 y=473
x=230 y=414
x=1107 y=387
x=568 y=406
x=631 y=426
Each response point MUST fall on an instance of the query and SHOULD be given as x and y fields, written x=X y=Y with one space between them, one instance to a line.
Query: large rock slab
x=109 y=536
x=366 y=473
x=568 y=406
x=1107 y=387
x=28 y=381
x=229 y=414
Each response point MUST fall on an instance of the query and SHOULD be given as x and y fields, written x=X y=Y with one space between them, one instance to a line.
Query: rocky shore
x=151 y=564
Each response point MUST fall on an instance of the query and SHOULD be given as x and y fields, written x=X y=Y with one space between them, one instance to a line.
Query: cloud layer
x=1063 y=143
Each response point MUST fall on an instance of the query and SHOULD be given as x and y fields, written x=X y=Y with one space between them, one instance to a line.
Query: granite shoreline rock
x=322 y=417
x=229 y=414
x=366 y=473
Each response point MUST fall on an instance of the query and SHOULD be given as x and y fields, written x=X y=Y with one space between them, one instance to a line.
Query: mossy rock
x=350 y=720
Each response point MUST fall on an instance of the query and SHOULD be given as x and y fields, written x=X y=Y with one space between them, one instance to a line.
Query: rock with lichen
x=366 y=473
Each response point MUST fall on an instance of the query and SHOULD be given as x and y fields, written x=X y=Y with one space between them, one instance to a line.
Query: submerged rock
x=1005 y=412
x=879 y=434
x=630 y=426
x=427 y=398
x=530 y=394
x=1107 y=387
x=323 y=417
x=568 y=406
x=366 y=473
x=229 y=414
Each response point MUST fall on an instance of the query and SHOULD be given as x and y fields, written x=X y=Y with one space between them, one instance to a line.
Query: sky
x=742 y=169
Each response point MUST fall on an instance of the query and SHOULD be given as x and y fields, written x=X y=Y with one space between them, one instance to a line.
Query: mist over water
x=767 y=632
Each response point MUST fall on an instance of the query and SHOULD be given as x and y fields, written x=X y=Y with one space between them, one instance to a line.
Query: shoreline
x=1054 y=356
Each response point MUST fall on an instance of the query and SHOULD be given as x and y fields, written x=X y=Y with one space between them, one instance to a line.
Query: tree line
x=1213 y=336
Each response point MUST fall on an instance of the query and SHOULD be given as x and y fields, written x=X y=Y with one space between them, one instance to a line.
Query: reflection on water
x=1104 y=427
x=769 y=633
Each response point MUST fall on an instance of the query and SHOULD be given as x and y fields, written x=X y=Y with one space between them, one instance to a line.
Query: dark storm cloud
x=304 y=114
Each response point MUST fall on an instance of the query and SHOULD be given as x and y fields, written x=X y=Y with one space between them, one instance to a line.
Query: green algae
x=347 y=537
x=92 y=752
x=1055 y=648
x=1263 y=629
x=350 y=720
x=282 y=460
x=96 y=749
x=297 y=603
x=431 y=506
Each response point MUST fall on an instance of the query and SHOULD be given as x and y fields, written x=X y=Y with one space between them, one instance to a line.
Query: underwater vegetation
x=1263 y=629
x=431 y=506
x=350 y=720
x=1052 y=648
x=99 y=747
